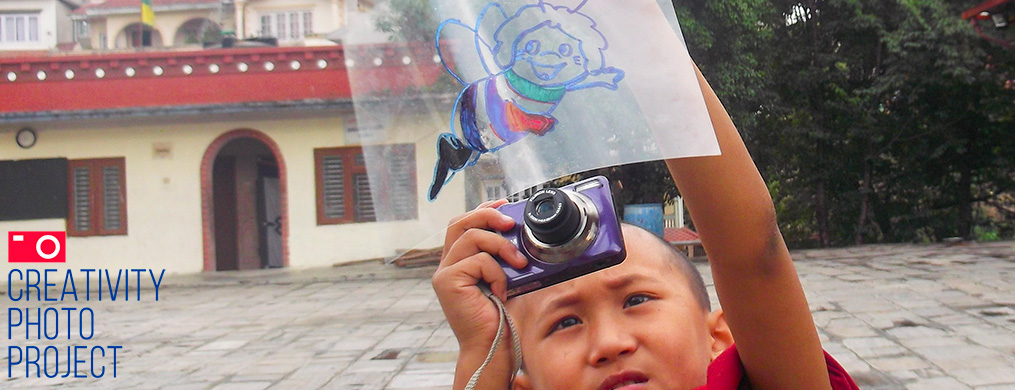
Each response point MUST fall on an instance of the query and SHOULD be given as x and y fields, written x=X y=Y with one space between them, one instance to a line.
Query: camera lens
x=552 y=217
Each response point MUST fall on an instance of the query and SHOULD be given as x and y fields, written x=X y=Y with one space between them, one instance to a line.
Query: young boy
x=642 y=324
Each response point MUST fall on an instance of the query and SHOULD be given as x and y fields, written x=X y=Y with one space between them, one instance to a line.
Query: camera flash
x=18 y=237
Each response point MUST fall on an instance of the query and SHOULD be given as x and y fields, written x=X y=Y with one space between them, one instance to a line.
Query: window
x=527 y=193
x=19 y=28
x=287 y=26
x=97 y=197
x=364 y=5
x=345 y=193
x=80 y=30
x=493 y=190
x=265 y=25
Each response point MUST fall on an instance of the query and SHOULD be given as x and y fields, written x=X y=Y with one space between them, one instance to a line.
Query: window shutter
x=402 y=182
x=364 y=202
x=81 y=198
x=334 y=187
x=111 y=202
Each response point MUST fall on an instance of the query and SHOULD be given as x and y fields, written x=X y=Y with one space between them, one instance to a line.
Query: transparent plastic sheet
x=524 y=91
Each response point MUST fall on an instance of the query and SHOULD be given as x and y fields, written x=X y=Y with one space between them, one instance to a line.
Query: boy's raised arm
x=755 y=279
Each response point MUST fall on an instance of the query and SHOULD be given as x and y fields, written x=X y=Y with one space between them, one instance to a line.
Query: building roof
x=194 y=82
x=119 y=7
x=679 y=235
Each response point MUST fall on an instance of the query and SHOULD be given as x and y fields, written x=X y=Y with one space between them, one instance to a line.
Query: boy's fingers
x=491 y=204
x=485 y=219
x=470 y=271
x=473 y=241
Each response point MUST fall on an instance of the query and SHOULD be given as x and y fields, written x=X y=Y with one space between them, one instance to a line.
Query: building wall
x=48 y=31
x=328 y=15
x=166 y=23
x=64 y=26
x=164 y=192
x=97 y=34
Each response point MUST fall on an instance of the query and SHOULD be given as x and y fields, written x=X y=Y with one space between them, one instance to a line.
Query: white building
x=35 y=25
x=221 y=159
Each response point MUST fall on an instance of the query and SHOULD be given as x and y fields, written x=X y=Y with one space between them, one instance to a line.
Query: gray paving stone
x=895 y=316
x=940 y=383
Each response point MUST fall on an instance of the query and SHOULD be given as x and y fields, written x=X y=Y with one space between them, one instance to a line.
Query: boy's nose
x=609 y=343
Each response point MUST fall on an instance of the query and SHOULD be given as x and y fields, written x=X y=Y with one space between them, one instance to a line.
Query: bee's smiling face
x=550 y=57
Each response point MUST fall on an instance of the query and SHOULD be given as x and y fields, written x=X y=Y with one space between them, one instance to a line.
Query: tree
x=407 y=20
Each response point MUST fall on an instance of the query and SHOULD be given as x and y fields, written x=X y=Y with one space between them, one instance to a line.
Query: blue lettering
x=112 y=292
x=29 y=284
x=88 y=282
x=10 y=321
x=69 y=310
x=47 y=284
x=45 y=323
x=76 y=361
x=81 y=324
x=45 y=362
x=10 y=359
x=29 y=361
x=103 y=372
x=10 y=284
x=114 y=348
x=157 y=283
x=73 y=289
x=29 y=323
x=137 y=287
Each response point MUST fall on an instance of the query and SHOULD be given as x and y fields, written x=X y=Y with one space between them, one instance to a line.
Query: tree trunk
x=865 y=189
x=821 y=212
x=965 y=189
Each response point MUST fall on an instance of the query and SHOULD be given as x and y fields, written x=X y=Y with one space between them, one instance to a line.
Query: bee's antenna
x=573 y=9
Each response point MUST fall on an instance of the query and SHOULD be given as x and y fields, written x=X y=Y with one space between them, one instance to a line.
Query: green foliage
x=879 y=120
x=871 y=120
x=408 y=20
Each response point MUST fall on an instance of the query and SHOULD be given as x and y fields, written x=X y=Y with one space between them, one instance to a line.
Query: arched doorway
x=198 y=31
x=244 y=203
x=137 y=35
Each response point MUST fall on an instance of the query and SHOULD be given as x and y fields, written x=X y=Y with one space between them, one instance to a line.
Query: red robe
x=726 y=372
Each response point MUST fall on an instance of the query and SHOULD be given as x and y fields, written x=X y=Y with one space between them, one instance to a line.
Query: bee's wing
x=466 y=51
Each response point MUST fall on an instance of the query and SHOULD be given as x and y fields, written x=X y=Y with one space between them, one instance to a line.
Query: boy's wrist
x=471 y=355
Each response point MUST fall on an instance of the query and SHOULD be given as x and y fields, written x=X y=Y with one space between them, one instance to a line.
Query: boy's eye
x=635 y=300
x=565 y=323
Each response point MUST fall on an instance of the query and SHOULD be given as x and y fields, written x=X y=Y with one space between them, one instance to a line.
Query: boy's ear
x=522 y=382
x=722 y=338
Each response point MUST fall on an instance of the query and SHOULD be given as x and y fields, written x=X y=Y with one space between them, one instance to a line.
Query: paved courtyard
x=896 y=316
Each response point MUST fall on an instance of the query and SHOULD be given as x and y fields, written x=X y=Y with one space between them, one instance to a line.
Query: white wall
x=48 y=33
x=166 y=23
x=164 y=194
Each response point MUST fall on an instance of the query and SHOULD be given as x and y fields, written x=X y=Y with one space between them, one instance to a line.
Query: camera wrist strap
x=516 y=346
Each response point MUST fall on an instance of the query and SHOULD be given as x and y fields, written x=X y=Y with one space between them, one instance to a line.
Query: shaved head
x=634 y=234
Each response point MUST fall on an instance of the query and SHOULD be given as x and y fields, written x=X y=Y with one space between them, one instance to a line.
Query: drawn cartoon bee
x=532 y=60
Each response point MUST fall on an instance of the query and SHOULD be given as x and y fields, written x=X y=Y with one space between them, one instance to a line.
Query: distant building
x=116 y=24
x=222 y=159
x=35 y=25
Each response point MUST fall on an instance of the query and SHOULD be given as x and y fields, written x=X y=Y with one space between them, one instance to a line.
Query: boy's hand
x=467 y=260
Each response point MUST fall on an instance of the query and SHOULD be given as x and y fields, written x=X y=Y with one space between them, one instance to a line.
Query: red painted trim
x=210 y=77
x=984 y=6
x=979 y=31
x=207 y=202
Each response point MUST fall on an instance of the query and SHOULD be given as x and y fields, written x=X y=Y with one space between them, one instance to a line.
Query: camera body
x=565 y=233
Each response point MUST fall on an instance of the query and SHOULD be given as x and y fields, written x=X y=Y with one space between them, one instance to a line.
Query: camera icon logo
x=36 y=247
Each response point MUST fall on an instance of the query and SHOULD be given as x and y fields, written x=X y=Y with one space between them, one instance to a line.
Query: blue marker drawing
x=532 y=60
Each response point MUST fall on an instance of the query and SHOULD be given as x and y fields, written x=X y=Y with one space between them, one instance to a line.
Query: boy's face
x=634 y=326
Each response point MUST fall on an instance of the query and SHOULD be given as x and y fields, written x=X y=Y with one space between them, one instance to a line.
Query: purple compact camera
x=565 y=233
